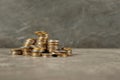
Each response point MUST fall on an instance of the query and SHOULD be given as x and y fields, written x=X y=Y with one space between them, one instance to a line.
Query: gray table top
x=85 y=64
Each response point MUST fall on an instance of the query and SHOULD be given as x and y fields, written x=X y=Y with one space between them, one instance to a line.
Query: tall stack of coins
x=42 y=40
x=42 y=47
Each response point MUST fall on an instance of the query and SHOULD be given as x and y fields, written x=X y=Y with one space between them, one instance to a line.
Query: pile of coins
x=42 y=47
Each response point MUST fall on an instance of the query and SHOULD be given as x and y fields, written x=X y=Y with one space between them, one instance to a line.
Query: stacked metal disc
x=42 y=47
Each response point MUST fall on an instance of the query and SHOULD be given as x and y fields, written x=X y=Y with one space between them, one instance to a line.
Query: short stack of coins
x=36 y=52
x=26 y=46
x=42 y=47
x=68 y=50
x=53 y=45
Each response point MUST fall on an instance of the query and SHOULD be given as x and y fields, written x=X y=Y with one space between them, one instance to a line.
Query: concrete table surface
x=85 y=64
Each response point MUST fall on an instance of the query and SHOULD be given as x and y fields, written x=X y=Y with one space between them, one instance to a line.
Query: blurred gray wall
x=76 y=23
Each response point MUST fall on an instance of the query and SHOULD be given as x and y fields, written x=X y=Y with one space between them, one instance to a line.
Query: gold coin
x=35 y=54
x=64 y=55
x=45 y=55
x=29 y=42
x=16 y=51
x=42 y=33
x=68 y=50
x=27 y=52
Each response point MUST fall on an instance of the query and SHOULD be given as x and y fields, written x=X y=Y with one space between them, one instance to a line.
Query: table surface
x=85 y=64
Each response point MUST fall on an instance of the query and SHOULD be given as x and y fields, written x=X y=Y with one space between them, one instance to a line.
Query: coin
x=36 y=54
x=61 y=53
x=27 y=51
x=29 y=42
x=46 y=55
x=16 y=51
x=42 y=33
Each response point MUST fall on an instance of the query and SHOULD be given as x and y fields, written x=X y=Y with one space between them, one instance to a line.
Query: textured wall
x=77 y=23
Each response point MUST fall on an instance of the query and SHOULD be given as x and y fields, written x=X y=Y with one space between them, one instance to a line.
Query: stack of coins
x=68 y=50
x=42 y=47
x=42 y=40
x=53 y=45
x=36 y=52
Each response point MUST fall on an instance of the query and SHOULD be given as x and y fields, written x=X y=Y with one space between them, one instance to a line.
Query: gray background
x=76 y=23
